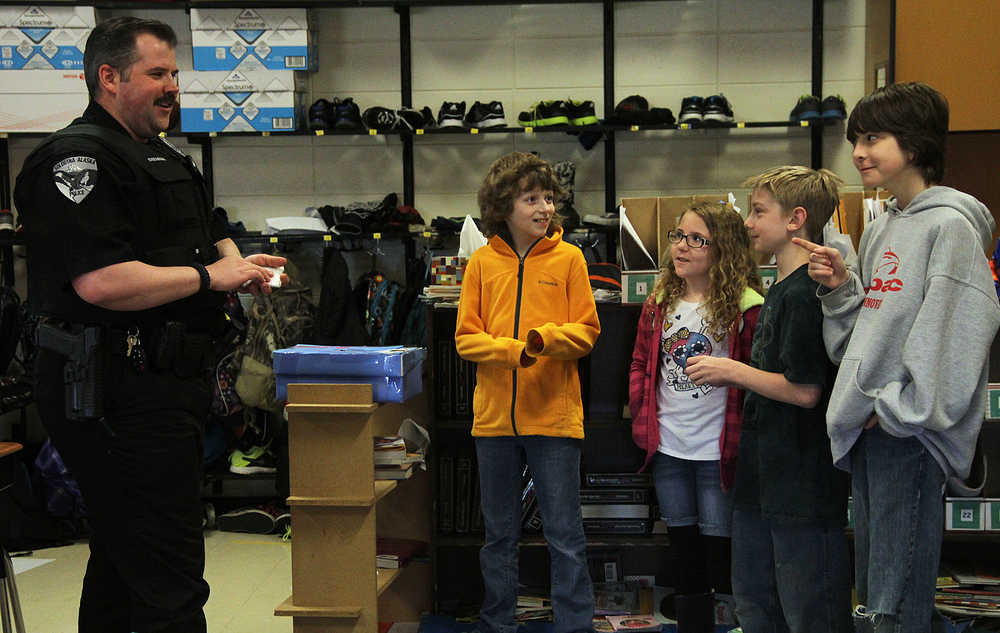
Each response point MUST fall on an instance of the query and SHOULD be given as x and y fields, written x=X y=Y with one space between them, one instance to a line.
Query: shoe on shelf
x=483 y=115
x=806 y=109
x=833 y=107
x=256 y=460
x=282 y=520
x=451 y=114
x=381 y=119
x=661 y=116
x=692 y=110
x=545 y=114
x=248 y=520
x=581 y=113
x=346 y=115
x=428 y=115
x=631 y=110
x=717 y=111
x=411 y=119
x=319 y=114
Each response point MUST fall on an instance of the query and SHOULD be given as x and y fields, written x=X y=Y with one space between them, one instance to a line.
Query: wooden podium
x=338 y=508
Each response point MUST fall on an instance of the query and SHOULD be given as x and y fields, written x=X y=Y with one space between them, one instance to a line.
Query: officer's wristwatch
x=206 y=280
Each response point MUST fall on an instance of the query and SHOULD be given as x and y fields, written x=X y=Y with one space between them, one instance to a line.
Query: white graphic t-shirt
x=691 y=417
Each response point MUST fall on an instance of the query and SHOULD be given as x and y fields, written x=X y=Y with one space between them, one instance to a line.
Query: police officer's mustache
x=166 y=102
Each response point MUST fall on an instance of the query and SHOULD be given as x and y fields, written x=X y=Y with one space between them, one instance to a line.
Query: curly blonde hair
x=508 y=177
x=733 y=269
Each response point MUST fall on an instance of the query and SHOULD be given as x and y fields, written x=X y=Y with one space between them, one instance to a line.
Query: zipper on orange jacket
x=517 y=321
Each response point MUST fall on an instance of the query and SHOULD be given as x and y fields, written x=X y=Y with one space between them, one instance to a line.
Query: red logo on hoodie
x=885 y=279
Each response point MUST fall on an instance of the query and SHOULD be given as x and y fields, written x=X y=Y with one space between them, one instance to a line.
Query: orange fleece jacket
x=502 y=301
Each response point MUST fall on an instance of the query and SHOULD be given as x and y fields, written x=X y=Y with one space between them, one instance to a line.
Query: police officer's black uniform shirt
x=84 y=207
x=785 y=470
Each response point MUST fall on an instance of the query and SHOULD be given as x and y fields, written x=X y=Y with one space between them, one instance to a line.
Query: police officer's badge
x=75 y=177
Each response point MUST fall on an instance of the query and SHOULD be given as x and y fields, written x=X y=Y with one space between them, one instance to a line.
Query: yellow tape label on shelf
x=529 y=130
x=474 y=130
x=741 y=124
x=372 y=132
x=427 y=233
x=327 y=238
x=377 y=236
x=685 y=126
x=420 y=131
x=265 y=133
x=634 y=128
x=320 y=132
x=803 y=123
x=273 y=240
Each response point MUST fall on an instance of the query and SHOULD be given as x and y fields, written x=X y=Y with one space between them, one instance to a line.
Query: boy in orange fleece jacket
x=525 y=316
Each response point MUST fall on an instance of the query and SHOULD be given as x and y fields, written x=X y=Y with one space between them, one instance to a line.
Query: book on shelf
x=593 y=496
x=626 y=480
x=393 y=553
x=397 y=471
x=463 y=479
x=445 y=500
x=635 y=623
x=601 y=625
x=615 y=511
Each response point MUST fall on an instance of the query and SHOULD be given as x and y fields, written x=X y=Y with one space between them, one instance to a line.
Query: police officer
x=121 y=235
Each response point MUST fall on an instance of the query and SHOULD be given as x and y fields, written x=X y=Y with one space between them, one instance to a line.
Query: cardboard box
x=41 y=100
x=48 y=17
x=991 y=510
x=37 y=49
x=964 y=514
x=252 y=39
x=237 y=101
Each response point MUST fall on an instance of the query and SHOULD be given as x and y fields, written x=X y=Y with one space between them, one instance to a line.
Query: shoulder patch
x=75 y=177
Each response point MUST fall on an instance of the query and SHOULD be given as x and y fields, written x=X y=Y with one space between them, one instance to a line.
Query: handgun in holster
x=83 y=373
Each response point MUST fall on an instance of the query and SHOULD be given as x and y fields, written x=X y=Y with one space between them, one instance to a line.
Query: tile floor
x=249 y=575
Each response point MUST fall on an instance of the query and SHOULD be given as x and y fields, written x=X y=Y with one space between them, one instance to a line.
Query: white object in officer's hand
x=276 y=277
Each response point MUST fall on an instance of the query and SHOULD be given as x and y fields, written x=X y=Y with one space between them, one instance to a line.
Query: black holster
x=85 y=351
x=177 y=349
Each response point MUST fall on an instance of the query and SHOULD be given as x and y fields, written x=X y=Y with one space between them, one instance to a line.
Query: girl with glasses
x=705 y=302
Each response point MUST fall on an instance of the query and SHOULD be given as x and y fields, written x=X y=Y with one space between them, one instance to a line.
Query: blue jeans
x=690 y=493
x=898 y=524
x=555 y=466
x=790 y=577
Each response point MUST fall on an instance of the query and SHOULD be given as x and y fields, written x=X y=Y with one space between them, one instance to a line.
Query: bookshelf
x=338 y=508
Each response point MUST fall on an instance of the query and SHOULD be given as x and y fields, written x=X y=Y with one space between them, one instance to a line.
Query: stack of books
x=533 y=608
x=968 y=594
x=392 y=461
x=393 y=553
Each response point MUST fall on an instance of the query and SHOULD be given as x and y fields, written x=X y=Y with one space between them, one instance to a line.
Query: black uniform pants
x=141 y=480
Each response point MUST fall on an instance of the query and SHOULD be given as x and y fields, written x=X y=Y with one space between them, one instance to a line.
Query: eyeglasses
x=693 y=241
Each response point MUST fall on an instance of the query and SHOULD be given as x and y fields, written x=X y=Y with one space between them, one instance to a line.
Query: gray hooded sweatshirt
x=912 y=327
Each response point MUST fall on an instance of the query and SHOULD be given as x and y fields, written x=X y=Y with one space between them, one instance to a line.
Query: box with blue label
x=334 y=360
x=44 y=38
x=384 y=388
x=251 y=39
x=237 y=101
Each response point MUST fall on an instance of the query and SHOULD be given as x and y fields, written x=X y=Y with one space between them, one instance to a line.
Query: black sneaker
x=428 y=115
x=319 y=114
x=451 y=114
x=411 y=119
x=717 y=111
x=381 y=119
x=807 y=108
x=581 y=112
x=661 y=116
x=346 y=116
x=483 y=115
x=247 y=520
x=692 y=110
x=545 y=114
x=833 y=107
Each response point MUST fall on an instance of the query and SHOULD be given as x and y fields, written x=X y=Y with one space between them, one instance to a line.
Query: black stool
x=9 y=602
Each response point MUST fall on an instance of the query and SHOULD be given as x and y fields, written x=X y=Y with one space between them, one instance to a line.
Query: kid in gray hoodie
x=911 y=329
